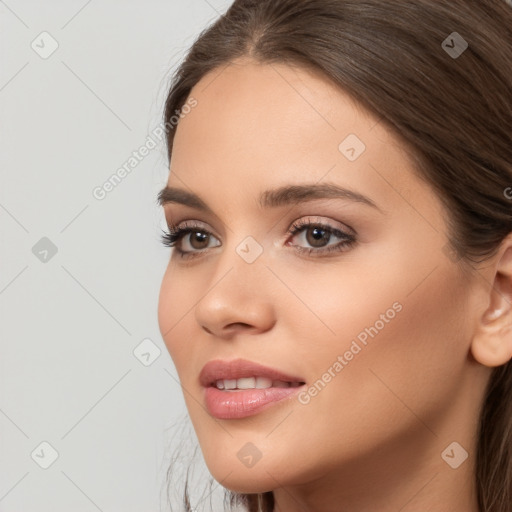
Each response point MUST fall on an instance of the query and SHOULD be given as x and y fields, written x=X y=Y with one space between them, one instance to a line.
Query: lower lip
x=245 y=402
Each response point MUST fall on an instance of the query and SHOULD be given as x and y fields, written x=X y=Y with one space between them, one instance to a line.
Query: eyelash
x=175 y=234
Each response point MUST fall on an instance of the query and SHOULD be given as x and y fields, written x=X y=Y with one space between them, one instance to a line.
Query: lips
x=217 y=370
x=228 y=391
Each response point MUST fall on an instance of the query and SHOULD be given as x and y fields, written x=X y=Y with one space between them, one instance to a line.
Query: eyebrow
x=282 y=196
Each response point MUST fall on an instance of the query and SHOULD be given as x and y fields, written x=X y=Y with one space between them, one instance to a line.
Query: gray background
x=71 y=321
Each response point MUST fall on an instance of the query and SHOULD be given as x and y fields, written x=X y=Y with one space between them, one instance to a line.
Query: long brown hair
x=452 y=110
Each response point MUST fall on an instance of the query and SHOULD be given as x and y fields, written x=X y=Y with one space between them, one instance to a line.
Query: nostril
x=235 y=324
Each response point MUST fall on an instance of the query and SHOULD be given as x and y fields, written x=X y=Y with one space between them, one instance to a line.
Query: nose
x=238 y=299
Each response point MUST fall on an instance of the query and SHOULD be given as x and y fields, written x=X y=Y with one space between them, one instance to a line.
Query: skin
x=372 y=438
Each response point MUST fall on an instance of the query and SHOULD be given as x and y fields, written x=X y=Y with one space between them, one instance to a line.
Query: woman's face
x=373 y=320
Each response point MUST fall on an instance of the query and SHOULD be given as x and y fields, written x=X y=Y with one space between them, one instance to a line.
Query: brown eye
x=188 y=240
x=316 y=236
x=198 y=239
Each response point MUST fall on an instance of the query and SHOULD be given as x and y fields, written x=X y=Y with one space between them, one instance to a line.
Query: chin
x=246 y=485
x=241 y=479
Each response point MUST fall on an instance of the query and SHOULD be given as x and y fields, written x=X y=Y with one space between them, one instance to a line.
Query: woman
x=338 y=300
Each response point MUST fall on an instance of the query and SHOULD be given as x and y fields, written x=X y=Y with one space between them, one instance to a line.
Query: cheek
x=402 y=348
x=165 y=306
x=174 y=310
x=401 y=335
x=424 y=355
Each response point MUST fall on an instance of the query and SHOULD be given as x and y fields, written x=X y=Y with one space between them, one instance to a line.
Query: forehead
x=258 y=126
x=254 y=108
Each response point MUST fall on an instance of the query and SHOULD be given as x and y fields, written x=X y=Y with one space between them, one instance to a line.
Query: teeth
x=229 y=383
x=253 y=383
x=246 y=383
x=263 y=383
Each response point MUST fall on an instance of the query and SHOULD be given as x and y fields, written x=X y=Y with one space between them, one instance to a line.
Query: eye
x=188 y=240
x=318 y=235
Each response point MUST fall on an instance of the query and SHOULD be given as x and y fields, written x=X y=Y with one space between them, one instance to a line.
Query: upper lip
x=238 y=369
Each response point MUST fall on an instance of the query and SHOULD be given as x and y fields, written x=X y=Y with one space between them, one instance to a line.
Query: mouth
x=240 y=388
x=253 y=383
x=245 y=374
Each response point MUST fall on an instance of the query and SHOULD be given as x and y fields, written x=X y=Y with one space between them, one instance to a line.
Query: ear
x=492 y=340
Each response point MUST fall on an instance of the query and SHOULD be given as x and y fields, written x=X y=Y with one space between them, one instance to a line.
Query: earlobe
x=492 y=340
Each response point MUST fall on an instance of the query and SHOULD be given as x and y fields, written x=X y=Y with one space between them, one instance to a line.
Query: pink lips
x=235 y=404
